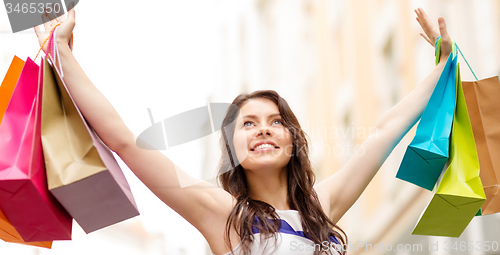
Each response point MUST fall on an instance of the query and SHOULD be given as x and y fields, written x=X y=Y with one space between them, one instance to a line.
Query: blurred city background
x=340 y=65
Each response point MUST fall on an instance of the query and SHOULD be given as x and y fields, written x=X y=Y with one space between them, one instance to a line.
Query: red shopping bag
x=24 y=196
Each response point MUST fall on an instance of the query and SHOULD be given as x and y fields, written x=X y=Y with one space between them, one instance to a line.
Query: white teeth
x=263 y=146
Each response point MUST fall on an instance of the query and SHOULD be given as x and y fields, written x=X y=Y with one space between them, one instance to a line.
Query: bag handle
x=53 y=50
x=45 y=41
x=454 y=48
x=470 y=68
x=53 y=45
x=437 y=47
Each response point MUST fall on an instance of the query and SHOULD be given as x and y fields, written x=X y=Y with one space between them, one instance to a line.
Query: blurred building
x=341 y=65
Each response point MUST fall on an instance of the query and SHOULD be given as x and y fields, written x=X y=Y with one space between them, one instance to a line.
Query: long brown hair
x=301 y=195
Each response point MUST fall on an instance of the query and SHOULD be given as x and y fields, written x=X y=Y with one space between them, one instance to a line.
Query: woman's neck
x=269 y=186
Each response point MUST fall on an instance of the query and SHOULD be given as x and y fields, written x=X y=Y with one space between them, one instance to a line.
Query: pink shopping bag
x=24 y=196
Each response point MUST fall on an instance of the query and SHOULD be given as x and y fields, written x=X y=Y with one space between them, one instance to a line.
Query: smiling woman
x=268 y=181
x=268 y=186
x=270 y=143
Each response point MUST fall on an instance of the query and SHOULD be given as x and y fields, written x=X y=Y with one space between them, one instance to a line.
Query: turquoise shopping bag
x=428 y=152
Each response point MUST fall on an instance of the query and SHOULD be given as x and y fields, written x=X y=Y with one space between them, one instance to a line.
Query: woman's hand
x=63 y=32
x=432 y=33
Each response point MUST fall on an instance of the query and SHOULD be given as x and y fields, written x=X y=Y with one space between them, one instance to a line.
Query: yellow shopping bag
x=460 y=194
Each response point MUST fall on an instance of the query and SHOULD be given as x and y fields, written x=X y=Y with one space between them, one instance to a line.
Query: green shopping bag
x=459 y=194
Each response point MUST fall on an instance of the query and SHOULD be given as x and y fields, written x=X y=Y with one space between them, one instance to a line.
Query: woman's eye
x=277 y=121
x=247 y=122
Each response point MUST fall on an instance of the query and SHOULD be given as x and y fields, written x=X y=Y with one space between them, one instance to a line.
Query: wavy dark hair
x=301 y=195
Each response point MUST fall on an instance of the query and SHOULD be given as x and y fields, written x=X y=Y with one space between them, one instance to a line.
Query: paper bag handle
x=51 y=45
x=45 y=41
x=53 y=50
x=467 y=63
x=454 y=49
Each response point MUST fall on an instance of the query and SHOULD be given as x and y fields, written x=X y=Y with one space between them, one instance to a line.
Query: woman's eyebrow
x=255 y=117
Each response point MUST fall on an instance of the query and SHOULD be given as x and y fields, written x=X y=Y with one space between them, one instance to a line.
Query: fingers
x=71 y=8
x=71 y=13
x=61 y=18
x=445 y=37
x=53 y=19
x=37 y=31
x=70 y=16
x=46 y=22
x=423 y=16
x=419 y=17
x=50 y=19
x=442 y=29
x=427 y=39
x=427 y=25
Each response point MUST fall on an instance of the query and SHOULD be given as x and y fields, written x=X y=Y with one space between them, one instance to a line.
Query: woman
x=265 y=172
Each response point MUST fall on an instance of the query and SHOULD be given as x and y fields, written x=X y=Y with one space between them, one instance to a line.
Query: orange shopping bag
x=9 y=83
x=9 y=234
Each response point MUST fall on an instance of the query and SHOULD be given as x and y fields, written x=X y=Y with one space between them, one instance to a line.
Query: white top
x=291 y=239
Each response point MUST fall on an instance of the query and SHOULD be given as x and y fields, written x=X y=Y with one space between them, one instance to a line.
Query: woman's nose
x=265 y=131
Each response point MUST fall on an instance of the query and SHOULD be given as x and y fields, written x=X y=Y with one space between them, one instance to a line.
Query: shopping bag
x=460 y=194
x=24 y=197
x=484 y=111
x=82 y=173
x=7 y=232
x=9 y=83
x=426 y=155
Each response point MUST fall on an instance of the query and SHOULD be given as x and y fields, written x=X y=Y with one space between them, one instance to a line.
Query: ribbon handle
x=52 y=47
x=454 y=48
x=437 y=47
x=45 y=41
x=470 y=68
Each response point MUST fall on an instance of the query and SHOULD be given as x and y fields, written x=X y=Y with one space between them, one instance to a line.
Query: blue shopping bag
x=428 y=152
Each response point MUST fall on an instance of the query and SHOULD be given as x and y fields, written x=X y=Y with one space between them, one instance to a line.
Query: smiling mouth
x=265 y=147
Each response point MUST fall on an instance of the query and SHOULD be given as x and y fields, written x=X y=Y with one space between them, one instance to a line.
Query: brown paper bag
x=484 y=111
x=82 y=173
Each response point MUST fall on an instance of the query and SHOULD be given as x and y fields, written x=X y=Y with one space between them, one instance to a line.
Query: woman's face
x=260 y=139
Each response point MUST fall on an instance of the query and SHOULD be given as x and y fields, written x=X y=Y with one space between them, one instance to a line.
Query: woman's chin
x=263 y=163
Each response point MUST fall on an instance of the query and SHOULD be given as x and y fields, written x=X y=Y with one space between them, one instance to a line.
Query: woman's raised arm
x=203 y=204
x=338 y=192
